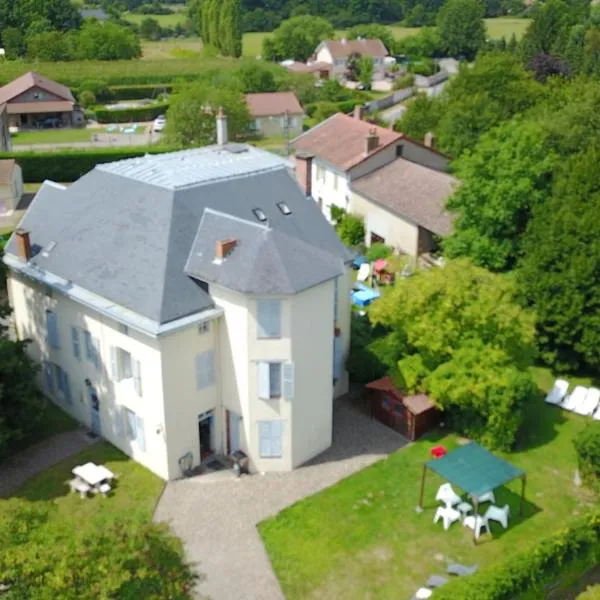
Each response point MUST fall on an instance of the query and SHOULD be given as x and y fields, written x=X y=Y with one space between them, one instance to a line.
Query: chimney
x=429 y=140
x=304 y=171
x=23 y=244
x=344 y=40
x=371 y=141
x=221 y=128
x=359 y=111
x=224 y=248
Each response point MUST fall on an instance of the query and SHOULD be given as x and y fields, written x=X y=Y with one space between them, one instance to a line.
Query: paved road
x=216 y=515
x=15 y=471
x=393 y=113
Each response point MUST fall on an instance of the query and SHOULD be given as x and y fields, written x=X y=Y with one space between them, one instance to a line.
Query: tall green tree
x=560 y=270
x=212 y=23
x=461 y=27
x=503 y=179
x=192 y=113
x=423 y=116
x=365 y=70
x=230 y=28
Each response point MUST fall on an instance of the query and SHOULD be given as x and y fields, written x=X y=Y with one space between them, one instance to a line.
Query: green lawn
x=363 y=539
x=51 y=136
x=179 y=16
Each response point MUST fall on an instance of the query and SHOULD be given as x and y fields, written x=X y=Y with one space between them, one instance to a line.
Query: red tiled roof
x=20 y=108
x=6 y=169
x=344 y=48
x=410 y=190
x=340 y=140
x=29 y=80
x=274 y=103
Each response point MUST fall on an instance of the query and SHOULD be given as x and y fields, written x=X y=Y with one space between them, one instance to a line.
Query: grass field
x=51 y=136
x=179 y=16
x=363 y=539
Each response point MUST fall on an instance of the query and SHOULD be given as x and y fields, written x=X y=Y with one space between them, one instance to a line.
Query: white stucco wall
x=397 y=232
x=344 y=288
x=11 y=193
x=30 y=302
x=324 y=189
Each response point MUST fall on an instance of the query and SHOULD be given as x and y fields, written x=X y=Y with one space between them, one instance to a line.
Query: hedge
x=131 y=115
x=587 y=446
x=533 y=570
x=106 y=93
x=69 y=165
x=345 y=106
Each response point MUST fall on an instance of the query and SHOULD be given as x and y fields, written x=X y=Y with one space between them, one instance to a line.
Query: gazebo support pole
x=422 y=487
x=475 y=513
x=523 y=482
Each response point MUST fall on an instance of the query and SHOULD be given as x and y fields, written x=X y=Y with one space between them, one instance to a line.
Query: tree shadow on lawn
x=541 y=424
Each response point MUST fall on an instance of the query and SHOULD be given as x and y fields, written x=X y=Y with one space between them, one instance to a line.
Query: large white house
x=337 y=53
x=187 y=304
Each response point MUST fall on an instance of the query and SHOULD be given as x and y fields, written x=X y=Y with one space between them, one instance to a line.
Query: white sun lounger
x=590 y=402
x=575 y=398
x=558 y=392
x=597 y=414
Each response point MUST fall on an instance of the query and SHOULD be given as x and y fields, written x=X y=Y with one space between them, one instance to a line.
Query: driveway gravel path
x=216 y=515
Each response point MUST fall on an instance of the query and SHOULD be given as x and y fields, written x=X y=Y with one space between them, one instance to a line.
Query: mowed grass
x=179 y=16
x=51 y=136
x=362 y=538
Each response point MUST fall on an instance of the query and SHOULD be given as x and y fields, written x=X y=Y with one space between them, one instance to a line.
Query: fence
x=387 y=101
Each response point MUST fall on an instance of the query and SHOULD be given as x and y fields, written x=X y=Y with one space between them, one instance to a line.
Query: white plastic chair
x=590 y=402
x=104 y=489
x=423 y=594
x=447 y=495
x=494 y=513
x=476 y=523
x=77 y=485
x=597 y=415
x=558 y=392
x=363 y=272
x=577 y=397
x=487 y=497
x=448 y=514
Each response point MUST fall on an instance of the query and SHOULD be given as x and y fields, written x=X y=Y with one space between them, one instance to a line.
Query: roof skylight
x=259 y=214
x=284 y=208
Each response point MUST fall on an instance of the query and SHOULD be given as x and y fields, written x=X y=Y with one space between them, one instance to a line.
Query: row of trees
x=220 y=26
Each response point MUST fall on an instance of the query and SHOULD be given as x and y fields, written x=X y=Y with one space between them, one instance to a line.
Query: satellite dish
x=363 y=272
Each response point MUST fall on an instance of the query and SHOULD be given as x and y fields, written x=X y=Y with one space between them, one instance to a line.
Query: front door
x=95 y=407
x=234 y=432
x=206 y=423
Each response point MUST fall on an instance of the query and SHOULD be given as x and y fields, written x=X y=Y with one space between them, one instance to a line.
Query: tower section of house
x=187 y=304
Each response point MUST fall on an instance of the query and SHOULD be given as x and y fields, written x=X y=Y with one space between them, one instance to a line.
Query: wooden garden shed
x=412 y=416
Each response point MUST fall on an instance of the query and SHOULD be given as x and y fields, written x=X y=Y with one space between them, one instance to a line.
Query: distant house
x=337 y=53
x=11 y=186
x=276 y=114
x=34 y=101
x=403 y=205
x=344 y=148
x=321 y=70
x=94 y=13
x=5 y=143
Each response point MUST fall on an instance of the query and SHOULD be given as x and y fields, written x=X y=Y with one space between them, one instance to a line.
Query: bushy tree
x=363 y=364
x=507 y=174
x=351 y=229
x=461 y=27
x=560 y=271
x=192 y=113
x=13 y=42
x=255 y=76
x=424 y=43
x=365 y=70
x=150 y=29
x=545 y=66
x=297 y=38
x=422 y=116
x=49 y=46
x=587 y=446
x=106 y=41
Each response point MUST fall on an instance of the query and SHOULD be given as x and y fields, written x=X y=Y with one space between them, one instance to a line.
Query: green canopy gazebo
x=475 y=470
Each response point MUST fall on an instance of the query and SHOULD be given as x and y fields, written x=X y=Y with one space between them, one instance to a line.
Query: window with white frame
x=76 y=343
x=52 y=329
x=92 y=352
x=270 y=435
x=205 y=369
x=268 y=316
x=134 y=428
x=275 y=380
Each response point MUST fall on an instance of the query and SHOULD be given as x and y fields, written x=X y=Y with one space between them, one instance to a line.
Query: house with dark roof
x=33 y=101
x=94 y=13
x=337 y=52
x=11 y=185
x=276 y=114
x=5 y=141
x=403 y=205
x=343 y=148
x=168 y=299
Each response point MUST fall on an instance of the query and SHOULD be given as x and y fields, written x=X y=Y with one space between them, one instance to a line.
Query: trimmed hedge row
x=69 y=165
x=535 y=569
x=345 y=106
x=106 y=93
x=130 y=115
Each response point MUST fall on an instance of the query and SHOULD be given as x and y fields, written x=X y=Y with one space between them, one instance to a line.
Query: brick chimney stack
x=304 y=171
x=23 y=241
x=221 y=128
x=224 y=248
x=371 y=141
x=359 y=111
x=429 y=140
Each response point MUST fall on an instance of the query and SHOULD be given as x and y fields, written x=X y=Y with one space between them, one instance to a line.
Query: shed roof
x=273 y=103
x=417 y=404
x=32 y=79
x=6 y=169
x=474 y=469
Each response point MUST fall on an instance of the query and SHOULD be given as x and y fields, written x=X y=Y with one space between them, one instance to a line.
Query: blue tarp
x=363 y=295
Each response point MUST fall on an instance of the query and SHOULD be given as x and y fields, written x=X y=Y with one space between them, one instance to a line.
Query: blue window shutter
x=210 y=367
x=131 y=424
x=75 y=342
x=67 y=388
x=264 y=382
x=52 y=328
x=96 y=352
x=141 y=434
x=338 y=356
x=276 y=441
x=48 y=377
x=137 y=376
x=114 y=365
x=264 y=432
x=288 y=380
x=89 y=349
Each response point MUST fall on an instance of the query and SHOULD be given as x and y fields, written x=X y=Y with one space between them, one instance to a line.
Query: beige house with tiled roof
x=343 y=148
x=337 y=53
x=276 y=114
x=33 y=101
x=11 y=186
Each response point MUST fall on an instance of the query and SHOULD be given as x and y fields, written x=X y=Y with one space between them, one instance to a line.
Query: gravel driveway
x=216 y=515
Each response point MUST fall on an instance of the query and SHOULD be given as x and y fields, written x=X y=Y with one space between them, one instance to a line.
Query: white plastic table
x=92 y=473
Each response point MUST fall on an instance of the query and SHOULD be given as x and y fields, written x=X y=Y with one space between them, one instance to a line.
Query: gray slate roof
x=129 y=241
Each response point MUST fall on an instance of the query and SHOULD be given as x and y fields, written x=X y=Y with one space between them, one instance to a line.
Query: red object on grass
x=438 y=451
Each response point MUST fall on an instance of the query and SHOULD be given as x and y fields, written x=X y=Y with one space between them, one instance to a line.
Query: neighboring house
x=344 y=148
x=11 y=186
x=94 y=13
x=321 y=70
x=337 y=53
x=5 y=141
x=207 y=313
x=403 y=205
x=276 y=114
x=34 y=101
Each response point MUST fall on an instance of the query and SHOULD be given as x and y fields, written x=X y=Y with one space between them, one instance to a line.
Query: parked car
x=159 y=124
